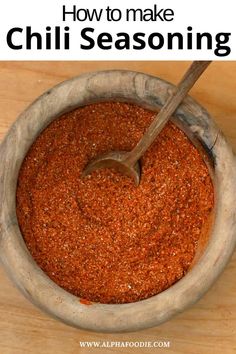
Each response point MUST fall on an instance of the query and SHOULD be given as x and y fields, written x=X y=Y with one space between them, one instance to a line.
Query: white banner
x=117 y=30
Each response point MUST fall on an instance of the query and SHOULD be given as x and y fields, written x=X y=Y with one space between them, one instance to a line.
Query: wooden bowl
x=149 y=92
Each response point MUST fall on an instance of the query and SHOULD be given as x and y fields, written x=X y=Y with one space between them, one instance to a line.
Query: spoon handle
x=187 y=82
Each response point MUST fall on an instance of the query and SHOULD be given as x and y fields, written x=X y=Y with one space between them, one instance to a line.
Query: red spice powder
x=102 y=238
x=85 y=301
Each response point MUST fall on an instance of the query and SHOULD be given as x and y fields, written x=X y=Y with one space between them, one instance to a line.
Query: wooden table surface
x=207 y=327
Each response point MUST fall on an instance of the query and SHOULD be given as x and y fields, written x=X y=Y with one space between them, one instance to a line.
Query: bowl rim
x=149 y=92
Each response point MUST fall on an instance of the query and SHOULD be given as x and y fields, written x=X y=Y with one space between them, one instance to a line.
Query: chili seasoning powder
x=101 y=237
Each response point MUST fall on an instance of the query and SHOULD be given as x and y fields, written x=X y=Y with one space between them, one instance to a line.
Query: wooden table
x=210 y=325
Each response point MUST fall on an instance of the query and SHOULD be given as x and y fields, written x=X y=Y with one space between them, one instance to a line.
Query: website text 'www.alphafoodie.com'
x=126 y=344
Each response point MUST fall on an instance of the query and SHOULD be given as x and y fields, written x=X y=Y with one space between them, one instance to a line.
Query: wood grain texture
x=210 y=325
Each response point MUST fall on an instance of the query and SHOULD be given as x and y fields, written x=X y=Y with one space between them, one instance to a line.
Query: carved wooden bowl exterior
x=149 y=92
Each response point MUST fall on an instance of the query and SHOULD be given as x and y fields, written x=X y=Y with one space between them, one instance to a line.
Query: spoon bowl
x=116 y=160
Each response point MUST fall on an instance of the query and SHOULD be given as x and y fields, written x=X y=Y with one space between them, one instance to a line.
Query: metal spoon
x=128 y=162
